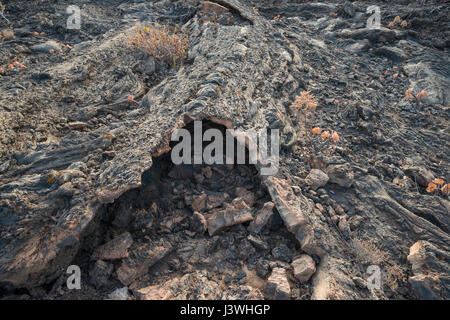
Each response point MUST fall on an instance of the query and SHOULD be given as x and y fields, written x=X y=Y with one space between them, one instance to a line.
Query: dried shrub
x=305 y=104
x=161 y=44
x=394 y=275
x=367 y=253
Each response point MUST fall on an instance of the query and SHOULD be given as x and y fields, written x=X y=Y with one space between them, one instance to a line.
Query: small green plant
x=161 y=44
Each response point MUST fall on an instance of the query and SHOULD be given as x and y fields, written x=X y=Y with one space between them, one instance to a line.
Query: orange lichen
x=445 y=188
x=335 y=137
x=438 y=181
x=325 y=135
x=408 y=94
x=50 y=180
x=421 y=95
x=431 y=187
x=316 y=131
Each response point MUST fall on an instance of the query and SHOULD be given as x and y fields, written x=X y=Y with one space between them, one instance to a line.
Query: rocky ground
x=86 y=177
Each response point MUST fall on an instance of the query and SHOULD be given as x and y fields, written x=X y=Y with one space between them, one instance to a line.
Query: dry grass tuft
x=367 y=253
x=161 y=44
x=394 y=275
x=305 y=104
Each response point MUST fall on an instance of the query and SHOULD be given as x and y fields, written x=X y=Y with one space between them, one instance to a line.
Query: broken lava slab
x=236 y=212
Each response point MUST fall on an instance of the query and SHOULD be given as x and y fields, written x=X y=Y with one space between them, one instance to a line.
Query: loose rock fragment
x=153 y=293
x=133 y=268
x=212 y=8
x=100 y=273
x=114 y=249
x=186 y=287
x=119 y=294
x=46 y=46
x=243 y=293
x=316 y=179
x=420 y=175
x=78 y=125
x=262 y=217
x=341 y=175
x=430 y=266
x=199 y=223
x=246 y=195
x=282 y=252
x=277 y=287
x=344 y=227
x=304 y=267
x=359 y=282
x=234 y=213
